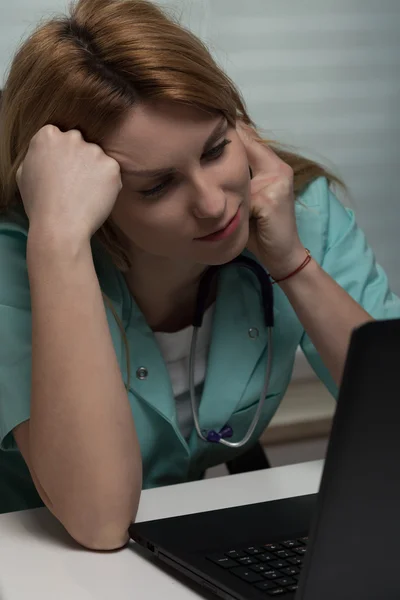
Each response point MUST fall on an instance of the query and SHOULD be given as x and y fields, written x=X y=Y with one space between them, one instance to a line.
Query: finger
x=261 y=158
x=19 y=174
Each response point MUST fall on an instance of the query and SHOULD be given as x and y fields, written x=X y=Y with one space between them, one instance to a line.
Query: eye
x=217 y=151
x=156 y=190
x=212 y=154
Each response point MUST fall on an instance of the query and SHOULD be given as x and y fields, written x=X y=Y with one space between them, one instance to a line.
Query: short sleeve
x=350 y=261
x=15 y=332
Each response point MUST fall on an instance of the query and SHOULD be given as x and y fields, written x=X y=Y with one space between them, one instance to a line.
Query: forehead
x=153 y=135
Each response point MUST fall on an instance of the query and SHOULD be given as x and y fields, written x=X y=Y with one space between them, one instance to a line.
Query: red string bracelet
x=300 y=268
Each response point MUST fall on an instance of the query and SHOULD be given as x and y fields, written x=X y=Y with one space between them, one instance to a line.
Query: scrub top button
x=253 y=333
x=142 y=373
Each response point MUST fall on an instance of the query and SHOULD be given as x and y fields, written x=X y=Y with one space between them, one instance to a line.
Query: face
x=206 y=188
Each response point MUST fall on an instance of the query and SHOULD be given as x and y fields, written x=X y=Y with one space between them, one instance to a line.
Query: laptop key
x=285 y=553
x=293 y=588
x=271 y=574
x=285 y=581
x=235 y=554
x=291 y=544
x=278 y=564
x=272 y=547
x=265 y=557
x=291 y=571
x=296 y=560
x=252 y=550
x=277 y=592
x=247 y=560
x=260 y=568
x=247 y=574
x=304 y=540
x=301 y=550
x=222 y=561
x=266 y=586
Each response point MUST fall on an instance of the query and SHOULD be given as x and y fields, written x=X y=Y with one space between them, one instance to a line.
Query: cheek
x=142 y=222
x=239 y=174
x=125 y=213
x=132 y=219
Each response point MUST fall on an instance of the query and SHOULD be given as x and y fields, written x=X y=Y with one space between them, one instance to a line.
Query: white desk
x=38 y=560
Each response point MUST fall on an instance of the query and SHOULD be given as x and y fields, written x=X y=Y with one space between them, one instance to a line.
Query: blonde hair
x=87 y=69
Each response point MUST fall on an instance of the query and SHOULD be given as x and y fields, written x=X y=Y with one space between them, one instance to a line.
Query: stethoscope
x=219 y=437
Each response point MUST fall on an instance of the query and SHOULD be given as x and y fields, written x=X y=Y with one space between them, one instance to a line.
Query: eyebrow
x=213 y=137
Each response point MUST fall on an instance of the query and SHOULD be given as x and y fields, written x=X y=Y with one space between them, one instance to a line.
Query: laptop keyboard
x=271 y=568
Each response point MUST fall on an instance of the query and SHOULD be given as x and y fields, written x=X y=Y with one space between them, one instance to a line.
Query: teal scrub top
x=236 y=363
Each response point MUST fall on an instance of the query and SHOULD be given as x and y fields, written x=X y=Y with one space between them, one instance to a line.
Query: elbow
x=98 y=520
x=106 y=533
x=105 y=537
x=104 y=529
x=96 y=529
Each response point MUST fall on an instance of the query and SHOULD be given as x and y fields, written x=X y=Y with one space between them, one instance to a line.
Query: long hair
x=87 y=69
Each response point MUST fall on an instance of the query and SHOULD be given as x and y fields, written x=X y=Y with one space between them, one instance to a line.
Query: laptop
x=340 y=544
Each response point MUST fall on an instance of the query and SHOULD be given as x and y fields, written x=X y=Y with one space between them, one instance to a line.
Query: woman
x=128 y=166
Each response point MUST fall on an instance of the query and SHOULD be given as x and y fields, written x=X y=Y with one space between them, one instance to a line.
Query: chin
x=229 y=251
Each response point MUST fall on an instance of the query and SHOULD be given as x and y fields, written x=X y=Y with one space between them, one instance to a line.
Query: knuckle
x=282 y=185
x=74 y=134
x=274 y=198
x=288 y=171
x=92 y=149
x=108 y=164
x=286 y=183
x=111 y=164
x=45 y=133
x=52 y=128
x=115 y=171
x=114 y=166
x=48 y=130
x=18 y=174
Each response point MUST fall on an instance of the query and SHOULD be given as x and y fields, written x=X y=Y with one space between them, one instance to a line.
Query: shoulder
x=14 y=282
x=316 y=193
x=13 y=226
x=321 y=217
x=319 y=199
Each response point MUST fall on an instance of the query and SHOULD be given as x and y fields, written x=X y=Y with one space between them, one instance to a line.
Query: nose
x=209 y=200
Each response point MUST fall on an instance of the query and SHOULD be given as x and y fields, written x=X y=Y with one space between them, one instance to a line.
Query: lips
x=220 y=230
x=225 y=232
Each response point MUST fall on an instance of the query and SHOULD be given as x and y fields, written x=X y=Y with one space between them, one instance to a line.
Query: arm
x=346 y=290
x=80 y=443
x=330 y=300
x=327 y=313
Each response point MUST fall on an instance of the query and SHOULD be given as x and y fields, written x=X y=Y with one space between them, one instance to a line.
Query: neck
x=164 y=289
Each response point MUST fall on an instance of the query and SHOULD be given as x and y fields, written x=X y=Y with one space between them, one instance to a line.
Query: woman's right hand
x=67 y=184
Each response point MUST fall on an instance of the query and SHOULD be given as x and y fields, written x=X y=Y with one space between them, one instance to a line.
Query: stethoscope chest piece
x=253 y=333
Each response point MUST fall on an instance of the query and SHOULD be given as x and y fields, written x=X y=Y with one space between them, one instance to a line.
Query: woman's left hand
x=273 y=238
